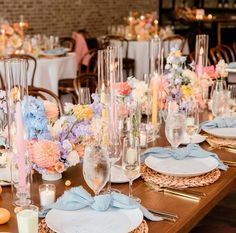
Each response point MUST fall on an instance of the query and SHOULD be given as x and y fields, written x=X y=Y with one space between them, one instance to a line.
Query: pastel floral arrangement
x=143 y=25
x=55 y=144
x=182 y=84
x=11 y=37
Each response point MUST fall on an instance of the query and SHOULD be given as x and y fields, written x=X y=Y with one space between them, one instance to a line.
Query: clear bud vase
x=16 y=93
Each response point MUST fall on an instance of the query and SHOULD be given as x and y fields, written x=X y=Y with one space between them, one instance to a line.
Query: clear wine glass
x=96 y=167
x=175 y=128
x=84 y=95
x=219 y=95
x=131 y=160
x=232 y=98
x=192 y=122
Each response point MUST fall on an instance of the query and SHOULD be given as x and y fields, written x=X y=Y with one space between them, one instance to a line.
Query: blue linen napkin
x=220 y=122
x=77 y=198
x=232 y=65
x=56 y=51
x=191 y=150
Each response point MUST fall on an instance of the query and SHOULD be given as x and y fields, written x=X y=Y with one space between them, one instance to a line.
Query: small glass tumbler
x=47 y=194
x=27 y=219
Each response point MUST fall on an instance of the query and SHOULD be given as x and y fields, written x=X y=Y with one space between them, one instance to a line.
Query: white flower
x=221 y=69
x=140 y=88
x=57 y=127
x=192 y=76
x=68 y=108
x=73 y=158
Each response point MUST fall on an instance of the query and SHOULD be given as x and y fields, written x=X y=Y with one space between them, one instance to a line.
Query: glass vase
x=16 y=95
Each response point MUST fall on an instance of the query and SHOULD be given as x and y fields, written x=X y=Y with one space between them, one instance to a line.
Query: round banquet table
x=139 y=51
x=50 y=70
x=189 y=212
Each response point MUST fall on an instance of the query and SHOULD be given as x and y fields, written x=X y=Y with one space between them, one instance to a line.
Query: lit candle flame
x=156 y=21
x=201 y=51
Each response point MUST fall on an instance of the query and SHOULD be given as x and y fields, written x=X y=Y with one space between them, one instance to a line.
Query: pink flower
x=51 y=109
x=210 y=70
x=44 y=153
x=123 y=88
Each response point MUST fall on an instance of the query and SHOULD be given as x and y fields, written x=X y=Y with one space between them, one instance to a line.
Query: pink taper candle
x=20 y=147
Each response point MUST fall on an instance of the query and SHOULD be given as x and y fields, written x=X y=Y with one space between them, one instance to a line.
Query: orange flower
x=59 y=167
x=44 y=153
x=50 y=170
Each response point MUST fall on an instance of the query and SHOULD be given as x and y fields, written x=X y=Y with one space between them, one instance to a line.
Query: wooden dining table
x=189 y=211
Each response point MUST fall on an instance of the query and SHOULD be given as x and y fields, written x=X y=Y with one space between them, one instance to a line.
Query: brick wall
x=61 y=17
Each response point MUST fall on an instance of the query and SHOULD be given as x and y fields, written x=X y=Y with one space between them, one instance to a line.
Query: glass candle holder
x=27 y=219
x=47 y=194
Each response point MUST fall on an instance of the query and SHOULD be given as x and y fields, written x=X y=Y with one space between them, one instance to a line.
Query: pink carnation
x=51 y=109
x=123 y=88
x=44 y=153
x=210 y=70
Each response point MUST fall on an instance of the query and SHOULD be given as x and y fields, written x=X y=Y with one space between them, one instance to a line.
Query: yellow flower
x=178 y=53
x=83 y=112
x=186 y=90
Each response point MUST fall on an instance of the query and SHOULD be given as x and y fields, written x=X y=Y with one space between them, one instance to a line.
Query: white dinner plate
x=196 y=138
x=190 y=166
x=222 y=132
x=88 y=220
x=118 y=176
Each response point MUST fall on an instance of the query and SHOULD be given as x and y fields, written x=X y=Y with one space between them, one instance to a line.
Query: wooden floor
x=223 y=214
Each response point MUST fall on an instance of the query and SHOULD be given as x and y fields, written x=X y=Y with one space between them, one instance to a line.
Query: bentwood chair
x=30 y=62
x=222 y=52
x=45 y=94
x=86 y=80
x=65 y=86
x=67 y=42
x=172 y=41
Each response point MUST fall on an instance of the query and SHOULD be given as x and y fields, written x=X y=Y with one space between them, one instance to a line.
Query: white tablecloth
x=50 y=70
x=139 y=51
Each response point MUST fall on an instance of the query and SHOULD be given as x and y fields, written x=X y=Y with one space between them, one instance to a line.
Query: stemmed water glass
x=192 y=122
x=175 y=128
x=131 y=160
x=219 y=95
x=96 y=167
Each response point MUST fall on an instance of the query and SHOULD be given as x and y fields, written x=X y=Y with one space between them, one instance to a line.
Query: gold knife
x=229 y=163
x=183 y=193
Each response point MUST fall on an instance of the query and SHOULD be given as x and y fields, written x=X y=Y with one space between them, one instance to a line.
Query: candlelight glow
x=142 y=17
x=210 y=16
x=201 y=51
x=130 y=18
x=156 y=21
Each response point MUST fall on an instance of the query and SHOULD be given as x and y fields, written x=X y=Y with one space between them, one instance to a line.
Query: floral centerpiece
x=183 y=85
x=143 y=26
x=58 y=145
x=11 y=38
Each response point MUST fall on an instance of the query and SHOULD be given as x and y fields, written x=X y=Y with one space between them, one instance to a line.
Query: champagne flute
x=84 y=95
x=175 y=128
x=232 y=98
x=96 y=167
x=192 y=122
x=131 y=160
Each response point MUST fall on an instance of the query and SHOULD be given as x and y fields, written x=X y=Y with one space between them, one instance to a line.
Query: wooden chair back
x=222 y=52
x=92 y=64
x=45 y=94
x=68 y=42
x=30 y=61
x=86 y=80
x=172 y=40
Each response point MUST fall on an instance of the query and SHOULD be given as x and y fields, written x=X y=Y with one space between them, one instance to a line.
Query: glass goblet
x=96 y=167
x=175 y=129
